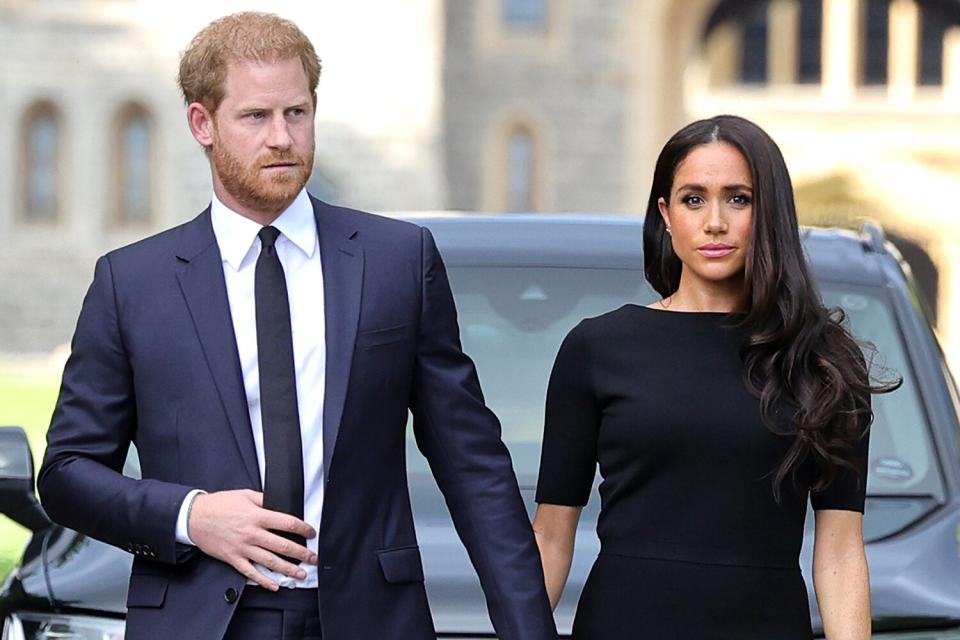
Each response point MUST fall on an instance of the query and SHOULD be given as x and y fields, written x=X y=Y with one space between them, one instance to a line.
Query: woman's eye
x=740 y=199
x=692 y=201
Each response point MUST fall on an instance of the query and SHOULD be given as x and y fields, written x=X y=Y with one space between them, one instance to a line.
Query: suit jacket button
x=230 y=595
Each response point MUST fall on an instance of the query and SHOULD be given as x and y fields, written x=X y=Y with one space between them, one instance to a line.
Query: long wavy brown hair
x=811 y=375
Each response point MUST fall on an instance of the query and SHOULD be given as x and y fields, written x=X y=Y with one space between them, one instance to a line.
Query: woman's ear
x=664 y=212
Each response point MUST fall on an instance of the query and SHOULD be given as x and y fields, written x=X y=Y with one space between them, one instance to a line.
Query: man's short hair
x=241 y=36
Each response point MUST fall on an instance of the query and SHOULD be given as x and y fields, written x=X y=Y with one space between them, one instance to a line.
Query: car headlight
x=44 y=626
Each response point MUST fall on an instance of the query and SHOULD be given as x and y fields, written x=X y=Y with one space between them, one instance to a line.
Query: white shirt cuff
x=182 y=535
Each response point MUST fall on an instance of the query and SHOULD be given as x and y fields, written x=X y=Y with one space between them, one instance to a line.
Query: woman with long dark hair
x=714 y=414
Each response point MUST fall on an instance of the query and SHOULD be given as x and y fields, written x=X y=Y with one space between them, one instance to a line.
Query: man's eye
x=255 y=115
x=297 y=112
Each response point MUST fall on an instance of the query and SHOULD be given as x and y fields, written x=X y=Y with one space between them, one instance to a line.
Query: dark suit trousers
x=289 y=614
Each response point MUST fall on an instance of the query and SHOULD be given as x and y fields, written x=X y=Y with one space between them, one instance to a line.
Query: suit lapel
x=200 y=274
x=342 y=258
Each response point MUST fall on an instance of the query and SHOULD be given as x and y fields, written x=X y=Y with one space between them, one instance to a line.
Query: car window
x=512 y=320
x=955 y=400
x=902 y=460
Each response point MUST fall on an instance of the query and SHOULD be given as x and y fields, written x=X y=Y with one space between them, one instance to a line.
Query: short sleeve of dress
x=568 y=459
x=848 y=490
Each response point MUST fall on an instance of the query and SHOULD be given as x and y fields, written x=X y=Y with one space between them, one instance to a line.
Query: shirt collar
x=236 y=234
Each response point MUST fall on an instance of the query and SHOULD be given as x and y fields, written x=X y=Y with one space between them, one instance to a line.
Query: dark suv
x=521 y=282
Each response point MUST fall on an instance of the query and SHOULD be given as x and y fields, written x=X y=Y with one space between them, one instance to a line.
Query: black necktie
x=282 y=451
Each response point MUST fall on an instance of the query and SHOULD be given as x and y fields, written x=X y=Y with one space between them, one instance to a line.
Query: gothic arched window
x=134 y=169
x=524 y=14
x=521 y=174
x=41 y=145
x=876 y=42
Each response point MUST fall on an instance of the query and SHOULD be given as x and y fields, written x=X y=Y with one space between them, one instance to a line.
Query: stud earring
x=669 y=232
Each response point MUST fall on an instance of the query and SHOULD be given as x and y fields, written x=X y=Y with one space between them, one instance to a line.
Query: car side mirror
x=17 y=499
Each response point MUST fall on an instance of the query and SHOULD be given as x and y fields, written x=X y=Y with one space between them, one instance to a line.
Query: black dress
x=693 y=544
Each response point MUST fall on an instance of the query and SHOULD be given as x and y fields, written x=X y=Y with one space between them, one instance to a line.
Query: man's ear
x=201 y=123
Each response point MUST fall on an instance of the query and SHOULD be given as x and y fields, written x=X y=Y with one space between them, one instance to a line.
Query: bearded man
x=263 y=357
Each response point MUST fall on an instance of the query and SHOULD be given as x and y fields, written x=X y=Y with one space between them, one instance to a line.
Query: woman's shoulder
x=618 y=321
x=633 y=316
x=637 y=321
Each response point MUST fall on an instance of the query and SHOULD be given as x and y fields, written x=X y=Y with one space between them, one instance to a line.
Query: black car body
x=522 y=282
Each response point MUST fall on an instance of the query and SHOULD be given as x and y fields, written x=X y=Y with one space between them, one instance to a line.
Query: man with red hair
x=263 y=358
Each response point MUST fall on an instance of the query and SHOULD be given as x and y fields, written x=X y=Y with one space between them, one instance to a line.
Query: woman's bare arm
x=555 y=527
x=840 y=575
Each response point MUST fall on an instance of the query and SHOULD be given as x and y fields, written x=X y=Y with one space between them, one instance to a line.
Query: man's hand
x=233 y=526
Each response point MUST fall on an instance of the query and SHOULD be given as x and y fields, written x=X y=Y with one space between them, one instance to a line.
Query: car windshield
x=902 y=460
x=512 y=320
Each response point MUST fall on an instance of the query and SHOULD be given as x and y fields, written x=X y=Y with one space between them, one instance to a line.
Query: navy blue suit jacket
x=154 y=362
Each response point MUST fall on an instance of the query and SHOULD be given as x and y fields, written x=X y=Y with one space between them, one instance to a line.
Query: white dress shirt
x=299 y=252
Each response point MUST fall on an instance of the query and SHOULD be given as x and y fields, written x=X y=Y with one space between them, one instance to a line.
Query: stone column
x=903 y=50
x=783 y=41
x=724 y=50
x=841 y=46
x=951 y=65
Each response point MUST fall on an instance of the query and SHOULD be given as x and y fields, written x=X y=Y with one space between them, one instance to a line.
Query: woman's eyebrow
x=700 y=188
